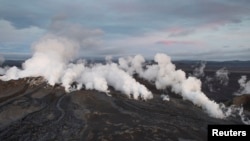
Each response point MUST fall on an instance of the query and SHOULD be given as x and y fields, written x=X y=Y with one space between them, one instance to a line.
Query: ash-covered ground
x=30 y=109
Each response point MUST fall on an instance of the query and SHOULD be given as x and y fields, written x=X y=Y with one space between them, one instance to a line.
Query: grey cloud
x=85 y=36
x=23 y=14
x=205 y=12
x=98 y=20
x=140 y=14
x=182 y=33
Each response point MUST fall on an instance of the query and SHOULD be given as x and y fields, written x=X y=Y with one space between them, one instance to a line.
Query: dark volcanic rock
x=40 y=112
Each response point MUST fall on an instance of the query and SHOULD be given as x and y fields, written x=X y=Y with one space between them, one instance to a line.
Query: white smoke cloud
x=236 y=111
x=51 y=54
x=189 y=88
x=165 y=97
x=165 y=75
x=199 y=71
x=10 y=74
x=132 y=64
x=52 y=59
x=209 y=83
x=222 y=76
x=244 y=86
x=71 y=74
x=100 y=76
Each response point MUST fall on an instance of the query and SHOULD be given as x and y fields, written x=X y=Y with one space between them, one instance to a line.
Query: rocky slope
x=32 y=110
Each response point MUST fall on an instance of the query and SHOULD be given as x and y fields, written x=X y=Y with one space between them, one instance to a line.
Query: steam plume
x=164 y=75
x=199 y=71
x=244 y=85
x=51 y=60
x=222 y=76
x=51 y=54
x=220 y=79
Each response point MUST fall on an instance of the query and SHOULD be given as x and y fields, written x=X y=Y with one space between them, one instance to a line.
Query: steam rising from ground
x=52 y=59
x=217 y=81
x=244 y=85
x=51 y=54
x=222 y=76
x=164 y=75
x=199 y=71
x=100 y=76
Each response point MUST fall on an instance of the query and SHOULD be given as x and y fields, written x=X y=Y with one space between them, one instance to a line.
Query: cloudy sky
x=183 y=29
